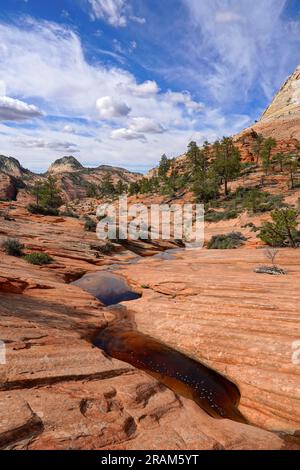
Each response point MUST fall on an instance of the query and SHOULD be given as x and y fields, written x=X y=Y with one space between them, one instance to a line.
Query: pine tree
x=227 y=161
x=51 y=194
x=37 y=191
x=164 y=166
x=279 y=159
x=266 y=153
x=107 y=187
x=292 y=165
x=282 y=230
x=257 y=147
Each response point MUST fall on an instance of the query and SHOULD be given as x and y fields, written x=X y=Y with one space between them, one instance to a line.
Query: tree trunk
x=226 y=187
x=292 y=180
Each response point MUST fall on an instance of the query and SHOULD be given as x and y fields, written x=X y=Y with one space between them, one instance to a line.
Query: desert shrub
x=259 y=201
x=226 y=242
x=42 y=210
x=69 y=213
x=13 y=247
x=282 y=231
x=90 y=225
x=218 y=216
x=38 y=258
x=105 y=249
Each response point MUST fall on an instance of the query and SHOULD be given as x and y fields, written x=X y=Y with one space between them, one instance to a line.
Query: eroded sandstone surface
x=59 y=392
x=212 y=306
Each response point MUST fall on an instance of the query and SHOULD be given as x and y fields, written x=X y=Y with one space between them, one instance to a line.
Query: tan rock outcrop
x=286 y=103
x=212 y=306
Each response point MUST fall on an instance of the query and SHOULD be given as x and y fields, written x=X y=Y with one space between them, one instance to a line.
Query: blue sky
x=123 y=81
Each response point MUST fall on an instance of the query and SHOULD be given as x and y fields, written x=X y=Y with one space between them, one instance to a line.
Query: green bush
x=13 y=247
x=42 y=210
x=226 y=242
x=90 y=225
x=38 y=258
x=260 y=202
x=282 y=231
x=218 y=216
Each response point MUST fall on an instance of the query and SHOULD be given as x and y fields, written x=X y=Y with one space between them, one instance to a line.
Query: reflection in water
x=107 y=287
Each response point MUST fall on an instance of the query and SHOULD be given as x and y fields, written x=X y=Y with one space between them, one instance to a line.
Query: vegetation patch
x=282 y=230
x=214 y=216
x=42 y=210
x=90 y=225
x=38 y=258
x=13 y=247
x=226 y=242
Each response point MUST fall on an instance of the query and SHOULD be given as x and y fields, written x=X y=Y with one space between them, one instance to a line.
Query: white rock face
x=286 y=103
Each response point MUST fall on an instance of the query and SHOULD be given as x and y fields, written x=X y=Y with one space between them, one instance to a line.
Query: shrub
x=259 y=201
x=218 y=216
x=282 y=231
x=90 y=225
x=38 y=258
x=13 y=247
x=104 y=249
x=226 y=242
x=69 y=213
x=42 y=210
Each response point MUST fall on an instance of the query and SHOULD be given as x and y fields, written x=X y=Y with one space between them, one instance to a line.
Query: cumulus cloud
x=16 y=110
x=146 y=125
x=110 y=108
x=137 y=129
x=127 y=134
x=185 y=99
x=145 y=89
x=45 y=63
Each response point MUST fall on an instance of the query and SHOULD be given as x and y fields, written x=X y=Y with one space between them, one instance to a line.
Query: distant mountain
x=74 y=180
x=65 y=165
x=12 y=167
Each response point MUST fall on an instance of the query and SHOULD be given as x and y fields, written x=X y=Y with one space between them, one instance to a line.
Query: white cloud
x=146 y=125
x=16 y=110
x=68 y=129
x=137 y=19
x=137 y=129
x=127 y=134
x=40 y=143
x=115 y=12
x=185 y=99
x=227 y=17
x=45 y=64
x=2 y=88
x=230 y=47
x=145 y=89
x=110 y=108
x=111 y=11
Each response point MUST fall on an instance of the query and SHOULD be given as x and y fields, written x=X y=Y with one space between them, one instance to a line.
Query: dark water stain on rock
x=185 y=376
